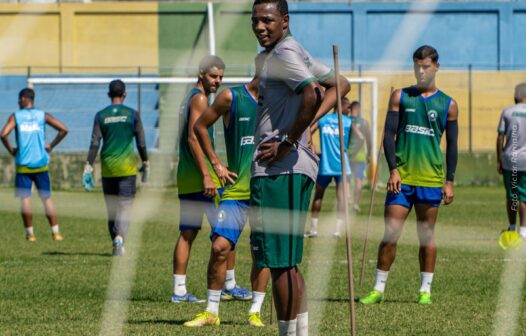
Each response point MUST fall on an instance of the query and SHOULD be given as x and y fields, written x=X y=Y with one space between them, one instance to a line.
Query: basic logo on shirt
x=112 y=120
x=330 y=130
x=29 y=127
x=247 y=140
x=419 y=130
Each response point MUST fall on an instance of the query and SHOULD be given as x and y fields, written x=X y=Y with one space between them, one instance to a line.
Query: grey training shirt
x=287 y=70
x=513 y=125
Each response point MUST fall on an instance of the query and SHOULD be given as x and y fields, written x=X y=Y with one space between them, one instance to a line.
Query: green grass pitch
x=60 y=288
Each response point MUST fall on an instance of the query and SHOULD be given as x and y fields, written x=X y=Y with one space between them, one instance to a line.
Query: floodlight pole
x=344 y=182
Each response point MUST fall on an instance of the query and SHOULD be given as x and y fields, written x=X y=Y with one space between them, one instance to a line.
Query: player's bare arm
x=330 y=99
x=198 y=105
x=500 y=148
x=8 y=127
x=60 y=127
x=451 y=152
x=312 y=97
x=220 y=108
x=394 y=183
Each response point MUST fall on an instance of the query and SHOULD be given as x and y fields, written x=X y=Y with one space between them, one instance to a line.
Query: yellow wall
x=98 y=35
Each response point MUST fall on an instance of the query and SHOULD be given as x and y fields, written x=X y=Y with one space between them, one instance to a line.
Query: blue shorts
x=324 y=180
x=192 y=208
x=358 y=169
x=24 y=182
x=415 y=195
x=230 y=220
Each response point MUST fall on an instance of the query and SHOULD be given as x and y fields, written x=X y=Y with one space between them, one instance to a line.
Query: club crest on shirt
x=432 y=115
x=307 y=61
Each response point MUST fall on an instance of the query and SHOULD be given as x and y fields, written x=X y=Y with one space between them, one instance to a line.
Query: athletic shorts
x=123 y=186
x=192 y=208
x=515 y=185
x=358 y=169
x=278 y=210
x=24 y=182
x=230 y=220
x=324 y=180
x=415 y=195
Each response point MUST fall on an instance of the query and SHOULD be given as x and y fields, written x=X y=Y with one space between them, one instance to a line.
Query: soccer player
x=32 y=158
x=197 y=183
x=359 y=152
x=118 y=126
x=511 y=159
x=418 y=116
x=330 y=165
x=284 y=168
x=238 y=107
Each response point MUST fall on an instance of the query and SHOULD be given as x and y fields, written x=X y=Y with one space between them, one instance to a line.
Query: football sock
x=512 y=227
x=214 y=296
x=380 y=279
x=339 y=223
x=54 y=229
x=230 y=280
x=302 y=327
x=522 y=231
x=180 y=284
x=257 y=302
x=314 y=225
x=287 y=328
x=29 y=231
x=425 y=282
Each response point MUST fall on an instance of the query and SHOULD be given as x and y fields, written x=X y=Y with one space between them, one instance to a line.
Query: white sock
x=214 y=296
x=54 y=229
x=257 y=302
x=230 y=280
x=339 y=223
x=314 y=225
x=512 y=227
x=380 y=279
x=425 y=282
x=29 y=231
x=522 y=231
x=287 y=328
x=180 y=284
x=302 y=327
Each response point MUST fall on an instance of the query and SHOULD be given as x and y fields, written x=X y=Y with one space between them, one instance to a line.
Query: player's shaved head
x=27 y=93
x=209 y=62
x=520 y=93
x=117 y=89
x=281 y=5
x=424 y=52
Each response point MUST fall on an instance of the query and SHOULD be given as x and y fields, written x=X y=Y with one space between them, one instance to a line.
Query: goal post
x=372 y=82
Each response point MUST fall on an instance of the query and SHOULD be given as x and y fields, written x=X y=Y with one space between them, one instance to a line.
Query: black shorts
x=119 y=186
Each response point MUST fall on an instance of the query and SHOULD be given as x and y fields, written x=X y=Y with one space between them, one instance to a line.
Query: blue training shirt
x=330 y=144
x=30 y=138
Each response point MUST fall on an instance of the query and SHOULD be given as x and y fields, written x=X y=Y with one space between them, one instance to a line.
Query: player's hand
x=13 y=151
x=87 y=177
x=394 y=184
x=447 y=193
x=272 y=151
x=145 y=171
x=48 y=148
x=225 y=175
x=499 y=168
x=209 y=186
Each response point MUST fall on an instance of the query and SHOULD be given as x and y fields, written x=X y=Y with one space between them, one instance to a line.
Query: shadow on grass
x=58 y=253
x=169 y=322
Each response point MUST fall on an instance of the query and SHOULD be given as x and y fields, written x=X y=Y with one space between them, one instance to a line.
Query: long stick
x=344 y=180
x=371 y=204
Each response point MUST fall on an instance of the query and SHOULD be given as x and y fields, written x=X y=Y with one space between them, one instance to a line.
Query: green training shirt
x=421 y=124
x=189 y=177
x=118 y=126
x=354 y=141
x=239 y=139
